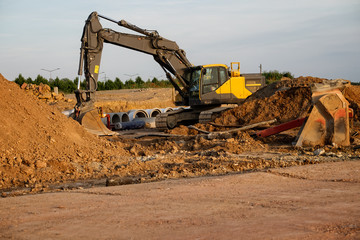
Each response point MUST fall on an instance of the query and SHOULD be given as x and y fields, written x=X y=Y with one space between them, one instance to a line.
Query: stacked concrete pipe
x=165 y=110
x=116 y=118
x=122 y=120
x=153 y=112
x=137 y=113
x=119 y=117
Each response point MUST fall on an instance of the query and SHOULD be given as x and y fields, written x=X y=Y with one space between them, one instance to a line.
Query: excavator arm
x=167 y=53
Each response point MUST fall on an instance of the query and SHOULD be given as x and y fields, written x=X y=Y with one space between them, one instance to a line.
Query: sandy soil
x=308 y=202
x=126 y=99
x=42 y=151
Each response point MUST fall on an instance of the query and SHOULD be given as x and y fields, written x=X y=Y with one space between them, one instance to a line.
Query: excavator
x=205 y=88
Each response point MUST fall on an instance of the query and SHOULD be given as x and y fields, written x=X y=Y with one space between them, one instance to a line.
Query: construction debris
x=39 y=146
x=43 y=92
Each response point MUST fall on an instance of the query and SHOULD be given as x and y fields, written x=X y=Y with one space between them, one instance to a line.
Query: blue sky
x=308 y=38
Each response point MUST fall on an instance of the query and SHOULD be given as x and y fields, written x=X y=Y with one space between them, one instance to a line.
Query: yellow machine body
x=227 y=85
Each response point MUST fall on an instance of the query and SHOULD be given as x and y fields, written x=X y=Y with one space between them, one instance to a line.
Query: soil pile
x=39 y=144
x=352 y=94
x=284 y=100
x=284 y=105
x=284 y=85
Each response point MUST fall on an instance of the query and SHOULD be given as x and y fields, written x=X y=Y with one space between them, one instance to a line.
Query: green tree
x=40 y=79
x=139 y=82
x=20 y=80
x=65 y=85
x=155 y=80
x=29 y=80
x=129 y=84
x=76 y=80
x=109 y=85
x=83 y=84
x=100 y=86
x=118 y=83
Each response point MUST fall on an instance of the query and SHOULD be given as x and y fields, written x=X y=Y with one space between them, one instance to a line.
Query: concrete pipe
x=153 y=112
x=178 y=108
x=129 y=125
x=118 y=117
x=124 y=117
x=137 y=113
x=149 y=122
x=114 y=118
x=165 y=110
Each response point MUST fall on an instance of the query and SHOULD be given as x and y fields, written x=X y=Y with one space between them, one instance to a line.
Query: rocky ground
x=43 y=151
x=40 y=147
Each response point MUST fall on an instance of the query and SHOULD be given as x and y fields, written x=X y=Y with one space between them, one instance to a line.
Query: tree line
x=69 y=86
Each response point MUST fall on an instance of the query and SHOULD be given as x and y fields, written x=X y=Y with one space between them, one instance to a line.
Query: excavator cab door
x=212 y=78
x=194 y=90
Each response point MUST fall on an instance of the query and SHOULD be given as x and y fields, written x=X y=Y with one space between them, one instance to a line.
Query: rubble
x=40 y=147
x=43 y=92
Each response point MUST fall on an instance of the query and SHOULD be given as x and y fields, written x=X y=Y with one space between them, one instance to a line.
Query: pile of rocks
x=43 y=92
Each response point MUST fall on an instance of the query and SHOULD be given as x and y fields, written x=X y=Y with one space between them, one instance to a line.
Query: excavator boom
x=166 y=52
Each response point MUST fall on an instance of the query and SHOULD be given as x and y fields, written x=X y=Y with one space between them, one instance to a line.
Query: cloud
x=296 y=35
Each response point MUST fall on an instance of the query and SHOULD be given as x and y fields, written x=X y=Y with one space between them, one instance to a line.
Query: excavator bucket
x=92 y=123
x=328 y=122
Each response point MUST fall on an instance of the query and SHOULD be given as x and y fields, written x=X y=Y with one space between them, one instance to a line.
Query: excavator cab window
x=212 y=78
x=194 y=83
x=222 y=75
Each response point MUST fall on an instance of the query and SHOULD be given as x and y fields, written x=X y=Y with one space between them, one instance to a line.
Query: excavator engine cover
x=328 y=122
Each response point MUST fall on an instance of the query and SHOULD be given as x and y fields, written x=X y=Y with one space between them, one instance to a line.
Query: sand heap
x=284 y=100
x=352 y=94
x=39 y=144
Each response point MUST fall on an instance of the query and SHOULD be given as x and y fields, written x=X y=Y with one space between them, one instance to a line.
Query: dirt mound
x=352 y=94
x=284 y=85
x=39 y=144
x=182 y=130
x=283 y=105
x=284 y=100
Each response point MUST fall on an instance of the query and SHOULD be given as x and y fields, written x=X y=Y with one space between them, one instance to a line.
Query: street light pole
x=102 y=73
x=131 y=75
x=50 y=71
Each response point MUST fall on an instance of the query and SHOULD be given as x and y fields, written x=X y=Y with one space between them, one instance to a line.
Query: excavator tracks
x=169 y=120
x=161 y=121
x=210 y=115
x=172 y=119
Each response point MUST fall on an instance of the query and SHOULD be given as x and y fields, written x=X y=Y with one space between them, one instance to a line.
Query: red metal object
x=108 y=121
x=280 y=128
x=351 y=113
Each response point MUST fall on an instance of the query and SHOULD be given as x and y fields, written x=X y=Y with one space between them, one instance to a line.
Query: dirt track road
x=308 y=202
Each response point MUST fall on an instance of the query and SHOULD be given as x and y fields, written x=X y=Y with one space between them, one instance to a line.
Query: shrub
x=275 y=75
